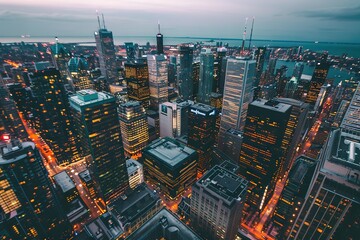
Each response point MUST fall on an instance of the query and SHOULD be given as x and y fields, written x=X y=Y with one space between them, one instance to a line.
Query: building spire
x=159 y=26
x=103 y=19
x=244 y=37
x=251 y=33
x=56 y=45
x=98 y=18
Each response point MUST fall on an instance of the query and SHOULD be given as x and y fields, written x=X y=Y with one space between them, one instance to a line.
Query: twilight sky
x=314 y=20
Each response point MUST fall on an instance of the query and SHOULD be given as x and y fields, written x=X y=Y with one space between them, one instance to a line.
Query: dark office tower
x=61 y=56
x=298 y=70
x=184 y=78
x=220 y=55
x=134 y=127
x=28 y=203
x=195 y=77
x=206 y=78
x=159 y=42
x=296 y=126
x=216 y=203
x=96 y=117
x=262 y=152
x=291 y=87
x=269 y=73
x=130 y=52
x=80 y=75
x=293 y=195
x=281 y=80
x=172 y=74
x=260 y=59
x=332 y=206
x=201 y=133
x=170 y=165
x=18 y=94
x=137 y=80
x=317 y=80
x=106 y=51
x=9 y=115
x=238 y=94
x=52 y=116
x=158 y=80
x=222 y=74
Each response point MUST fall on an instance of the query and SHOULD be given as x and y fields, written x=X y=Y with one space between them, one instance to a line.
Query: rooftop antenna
x=98 y=18
x=252 y=27
x=244 y=37
x=56 y=45
x=159 y=26
x=103 y=20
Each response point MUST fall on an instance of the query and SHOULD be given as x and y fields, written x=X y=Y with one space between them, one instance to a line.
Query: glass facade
x=137 y=79
x=158 y=80
x=134 y=127
x=97 y=121
x=206 y=79
x=184 y=72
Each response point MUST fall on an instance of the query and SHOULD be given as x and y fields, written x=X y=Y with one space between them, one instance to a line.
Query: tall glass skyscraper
x=206 y=78
x=97 y=121
x=52 y=116
x=137 y=80
x=106 y=50
x=134 y=127
x=80 y=75
x=263 y=150
x=184 y=77
x=238 y=94
x=158 y=80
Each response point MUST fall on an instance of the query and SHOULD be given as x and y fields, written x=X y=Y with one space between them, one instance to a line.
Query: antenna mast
x=251 y=33
x=159 y=26
x=98 y=18
x=103 y=20
x=244 y=37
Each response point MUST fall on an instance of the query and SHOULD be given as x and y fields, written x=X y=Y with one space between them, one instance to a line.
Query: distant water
x=352 y=49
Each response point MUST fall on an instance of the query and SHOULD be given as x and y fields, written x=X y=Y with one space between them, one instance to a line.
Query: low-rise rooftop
x=169 y=151
x=63 y=180
x=164 y=225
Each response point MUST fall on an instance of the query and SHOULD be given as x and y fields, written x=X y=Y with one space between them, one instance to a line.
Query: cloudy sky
x=314 y=20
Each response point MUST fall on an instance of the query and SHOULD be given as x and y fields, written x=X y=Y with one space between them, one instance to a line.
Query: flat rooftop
x=134 y=203
x=224 y=183
x=132 y=165
x=80 y=99
x=202 y=108
x=164 y=225
x=63 y=180
x=104 y=227
x=13 y=152
x=169 y=151
x=85 y=176
x=271 y=105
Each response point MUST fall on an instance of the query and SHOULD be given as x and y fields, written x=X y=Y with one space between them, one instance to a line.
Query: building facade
x=158 y=79
x=97 y=121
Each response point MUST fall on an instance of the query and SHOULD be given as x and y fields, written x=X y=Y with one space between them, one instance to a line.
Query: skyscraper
x=220 y=77
x=332 y=206
x=174 y=118
x=9 y=115
x=28 y=202
x=61 y=56
x=216 y=203
x=158 y=80
x=80 y=76
x=134 y=127
x=293 y=195
x=263 y=149
x=298 y=70
x=106 y=50
x=52 y=115
x=159 y=42
x=238 y=94
x=201 y=133
x=184 y=81
x=260 y=59
x=137 y=80
x=206 y=76
x=97 y=121
x=317 y=80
